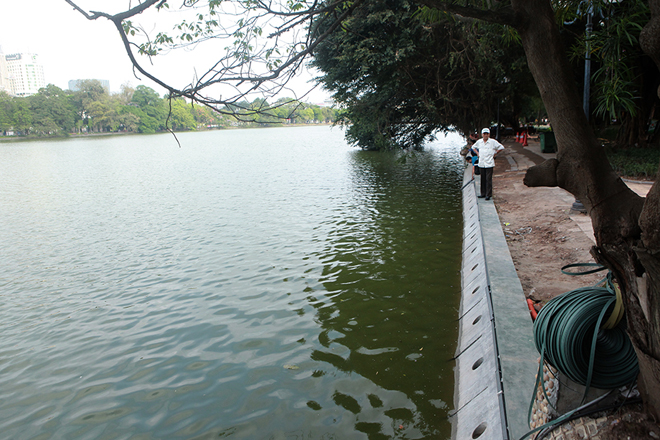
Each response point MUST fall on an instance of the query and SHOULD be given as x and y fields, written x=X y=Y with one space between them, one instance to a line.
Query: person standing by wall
x=474 y=161
x=487 y=149
x=475 y=155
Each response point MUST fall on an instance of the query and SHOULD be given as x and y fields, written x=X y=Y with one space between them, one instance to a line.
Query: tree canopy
x=91 y=109
x=398 y=85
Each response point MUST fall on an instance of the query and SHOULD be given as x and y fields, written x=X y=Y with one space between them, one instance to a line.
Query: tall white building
x=4 y=74
x=25 y=75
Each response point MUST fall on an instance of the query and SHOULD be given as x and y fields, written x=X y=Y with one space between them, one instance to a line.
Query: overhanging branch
x=229 y=70
x=93 y=15
x=505 y=16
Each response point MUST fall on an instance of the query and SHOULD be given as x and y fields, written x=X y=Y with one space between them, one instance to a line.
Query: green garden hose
x=581 y=333
x=570 y=334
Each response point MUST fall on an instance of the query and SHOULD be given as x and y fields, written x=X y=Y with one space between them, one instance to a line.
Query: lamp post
x=497 y=129
x=577 y=205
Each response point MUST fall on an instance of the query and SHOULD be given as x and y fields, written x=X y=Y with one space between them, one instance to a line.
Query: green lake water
x=252 y=284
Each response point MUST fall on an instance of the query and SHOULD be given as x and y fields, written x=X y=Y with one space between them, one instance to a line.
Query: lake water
x=252 y=284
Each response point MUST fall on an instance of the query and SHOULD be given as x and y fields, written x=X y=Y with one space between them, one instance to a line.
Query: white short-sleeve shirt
x=487 y=152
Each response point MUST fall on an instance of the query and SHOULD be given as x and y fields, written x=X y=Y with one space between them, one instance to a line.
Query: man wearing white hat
x=487 y=149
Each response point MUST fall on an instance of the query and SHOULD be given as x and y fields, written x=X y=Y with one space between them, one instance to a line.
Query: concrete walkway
x=513 y=326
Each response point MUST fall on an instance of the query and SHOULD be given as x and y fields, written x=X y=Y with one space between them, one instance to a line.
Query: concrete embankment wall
x=478 y=400
x=496 y=357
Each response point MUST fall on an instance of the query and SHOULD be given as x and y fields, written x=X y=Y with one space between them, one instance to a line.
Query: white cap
x=485 y=130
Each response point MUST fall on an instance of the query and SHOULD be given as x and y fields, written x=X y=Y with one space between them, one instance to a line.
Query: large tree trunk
x=626 y=226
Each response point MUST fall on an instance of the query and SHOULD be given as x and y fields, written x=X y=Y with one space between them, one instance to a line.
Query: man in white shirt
x=487 y=149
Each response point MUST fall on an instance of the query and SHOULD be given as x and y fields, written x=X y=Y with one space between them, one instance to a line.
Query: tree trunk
x=626 y=226
x=649 y=38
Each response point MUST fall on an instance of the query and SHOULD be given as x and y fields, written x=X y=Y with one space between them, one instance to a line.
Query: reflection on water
x=252 y=284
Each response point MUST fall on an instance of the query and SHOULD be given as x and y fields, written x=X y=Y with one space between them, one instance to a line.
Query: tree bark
x=625 y=225
x=649 y=38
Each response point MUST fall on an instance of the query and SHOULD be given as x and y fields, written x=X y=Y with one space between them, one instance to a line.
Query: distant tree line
x=91 y=109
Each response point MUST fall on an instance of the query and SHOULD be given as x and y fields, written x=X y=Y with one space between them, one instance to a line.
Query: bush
x=634 y=162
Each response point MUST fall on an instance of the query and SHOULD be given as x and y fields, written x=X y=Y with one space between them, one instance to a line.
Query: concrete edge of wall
x=478 y=398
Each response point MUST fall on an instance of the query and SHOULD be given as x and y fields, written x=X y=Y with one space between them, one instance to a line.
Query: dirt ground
x=541 y=230
x=545 y=233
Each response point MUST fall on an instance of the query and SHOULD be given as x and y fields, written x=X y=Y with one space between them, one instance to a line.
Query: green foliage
x=22 y=116
x=6 y=112
x=430 y=69
x=634 y=162
x=52 y=111
x=144 y=97
x=401 y=75
x=56 y=112
x=283 y=111
x=614 y=48
x=181 y=118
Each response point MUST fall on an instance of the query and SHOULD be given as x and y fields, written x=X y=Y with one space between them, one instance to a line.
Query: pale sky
x=71 y=47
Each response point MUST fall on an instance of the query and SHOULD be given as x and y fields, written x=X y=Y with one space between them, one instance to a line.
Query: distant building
x=74 y=84
x=24 y=74
x=4 y=74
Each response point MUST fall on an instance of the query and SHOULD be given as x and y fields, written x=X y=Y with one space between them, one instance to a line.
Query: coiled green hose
x=572 y=334
x=569 y=335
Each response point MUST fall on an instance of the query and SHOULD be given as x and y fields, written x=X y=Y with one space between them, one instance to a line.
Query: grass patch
x=634 y=162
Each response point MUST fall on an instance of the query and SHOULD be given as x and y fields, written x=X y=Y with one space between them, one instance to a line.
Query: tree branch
x=121 y=16
x=505 y=16
x=544 y=174
x=239 y=68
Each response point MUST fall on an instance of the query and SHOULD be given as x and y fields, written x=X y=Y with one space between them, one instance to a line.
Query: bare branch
x=248 y=67
x=122 y=16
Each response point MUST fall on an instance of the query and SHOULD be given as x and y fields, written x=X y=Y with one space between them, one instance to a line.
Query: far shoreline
x=129 y=133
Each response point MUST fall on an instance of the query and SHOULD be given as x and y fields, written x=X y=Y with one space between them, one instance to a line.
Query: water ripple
x=252 y=284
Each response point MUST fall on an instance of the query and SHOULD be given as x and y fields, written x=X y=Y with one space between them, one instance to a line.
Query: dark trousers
x=486 y=182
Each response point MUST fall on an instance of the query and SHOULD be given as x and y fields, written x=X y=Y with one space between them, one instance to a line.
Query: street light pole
x=587 y=61
x=577 y=205
x=497 y=129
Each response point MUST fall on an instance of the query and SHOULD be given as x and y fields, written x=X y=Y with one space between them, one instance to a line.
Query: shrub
x=634 y=162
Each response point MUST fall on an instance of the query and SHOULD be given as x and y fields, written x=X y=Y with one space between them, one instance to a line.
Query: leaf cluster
x=401 y=75
x=613 y=47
